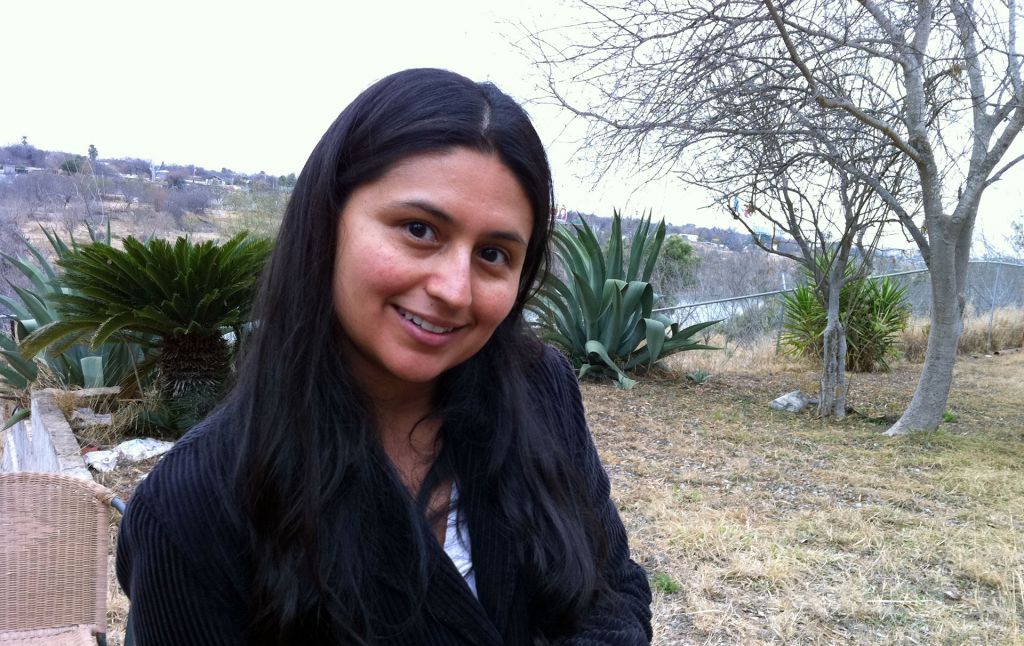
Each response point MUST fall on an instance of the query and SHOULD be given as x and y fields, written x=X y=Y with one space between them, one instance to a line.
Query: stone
x=90 y=393
x=86 y=418
x=142 y=449
x=793 y=402
x=101 y=461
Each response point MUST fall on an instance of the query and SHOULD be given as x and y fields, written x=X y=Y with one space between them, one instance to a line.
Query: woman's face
x=428 y=265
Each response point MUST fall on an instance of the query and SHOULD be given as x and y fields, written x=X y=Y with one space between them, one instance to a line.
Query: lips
x=423 y=324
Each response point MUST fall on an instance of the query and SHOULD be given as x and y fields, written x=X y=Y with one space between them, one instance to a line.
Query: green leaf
x=27 y=369
x=655 y=333
x=33 y=303
x=615 y=249
x=655 y=249
x=596 y=348
x=19 y=414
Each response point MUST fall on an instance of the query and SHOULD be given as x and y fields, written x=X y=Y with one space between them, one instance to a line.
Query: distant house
x=12 y=169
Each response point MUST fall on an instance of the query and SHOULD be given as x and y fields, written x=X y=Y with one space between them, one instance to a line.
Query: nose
x=451 y=280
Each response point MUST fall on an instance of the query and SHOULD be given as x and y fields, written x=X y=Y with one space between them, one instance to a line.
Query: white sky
x=252 y=85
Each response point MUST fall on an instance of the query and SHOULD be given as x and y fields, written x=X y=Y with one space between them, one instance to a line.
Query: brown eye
x=494 y=256
x=419 y=230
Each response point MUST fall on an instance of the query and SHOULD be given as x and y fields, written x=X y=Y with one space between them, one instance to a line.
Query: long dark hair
x=312 y=481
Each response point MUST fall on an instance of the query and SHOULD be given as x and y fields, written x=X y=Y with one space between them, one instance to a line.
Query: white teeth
x=423 y=324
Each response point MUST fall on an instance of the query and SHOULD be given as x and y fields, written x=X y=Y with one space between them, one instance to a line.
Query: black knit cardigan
x=179 y=556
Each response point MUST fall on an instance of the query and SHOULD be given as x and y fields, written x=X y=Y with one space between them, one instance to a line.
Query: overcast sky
x=252 y=86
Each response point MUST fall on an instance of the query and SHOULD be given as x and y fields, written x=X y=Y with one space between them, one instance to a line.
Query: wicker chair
x=54 y=536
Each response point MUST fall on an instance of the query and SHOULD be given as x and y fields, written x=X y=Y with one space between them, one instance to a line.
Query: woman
x=399 y=462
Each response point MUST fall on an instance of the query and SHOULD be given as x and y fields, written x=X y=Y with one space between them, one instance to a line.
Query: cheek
x=363 y=270
x=498 y=302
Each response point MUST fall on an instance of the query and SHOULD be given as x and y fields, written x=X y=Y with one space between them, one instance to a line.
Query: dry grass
x=781 y=528
x=760 y=527
x=755 y=356
x=982 y=334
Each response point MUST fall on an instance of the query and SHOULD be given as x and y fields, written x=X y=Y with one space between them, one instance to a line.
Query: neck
x=405 y=428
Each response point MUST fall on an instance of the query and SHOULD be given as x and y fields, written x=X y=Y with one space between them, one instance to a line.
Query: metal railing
x=992 y=286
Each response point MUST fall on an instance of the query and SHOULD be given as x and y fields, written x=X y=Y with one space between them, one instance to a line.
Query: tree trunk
x=948 y=274
x=193 y=372
x=832 y=393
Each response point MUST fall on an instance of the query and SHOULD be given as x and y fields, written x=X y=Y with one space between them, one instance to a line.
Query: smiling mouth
x=417 y=321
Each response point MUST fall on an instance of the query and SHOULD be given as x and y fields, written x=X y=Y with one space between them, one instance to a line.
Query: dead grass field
x=764 y=527
x=761 y=527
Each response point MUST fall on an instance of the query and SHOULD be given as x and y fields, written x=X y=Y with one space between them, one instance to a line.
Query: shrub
x=874 y=313
x=601 y=313
x=179 y=299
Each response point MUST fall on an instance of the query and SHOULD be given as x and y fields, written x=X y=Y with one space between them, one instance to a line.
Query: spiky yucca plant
x=178 y=298
x=874 y=312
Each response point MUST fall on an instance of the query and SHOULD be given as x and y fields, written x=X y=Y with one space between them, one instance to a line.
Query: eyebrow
x=429 y=208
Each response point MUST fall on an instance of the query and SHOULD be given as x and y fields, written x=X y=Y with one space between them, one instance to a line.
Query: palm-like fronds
x=601 y=314
x=179 y=298
x=873 y=313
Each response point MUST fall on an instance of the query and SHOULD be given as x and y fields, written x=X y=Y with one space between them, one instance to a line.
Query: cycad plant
x=179 y=299
x=601 y=313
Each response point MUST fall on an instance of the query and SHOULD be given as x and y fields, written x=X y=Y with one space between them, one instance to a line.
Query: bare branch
x=841 y=103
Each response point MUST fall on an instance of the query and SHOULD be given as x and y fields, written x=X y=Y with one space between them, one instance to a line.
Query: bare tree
x=780 y=171
x=936 y=84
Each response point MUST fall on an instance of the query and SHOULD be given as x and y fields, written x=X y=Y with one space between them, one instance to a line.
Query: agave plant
x=601 y=313
x=34 y=308
x=179 y=299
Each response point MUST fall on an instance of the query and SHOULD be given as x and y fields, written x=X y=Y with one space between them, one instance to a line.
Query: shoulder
x=199 y=467
x=187 y=500
x=551 y=376
x=180 y=554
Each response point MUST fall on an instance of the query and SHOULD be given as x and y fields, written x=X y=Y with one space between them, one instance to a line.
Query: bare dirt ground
x=762 y=527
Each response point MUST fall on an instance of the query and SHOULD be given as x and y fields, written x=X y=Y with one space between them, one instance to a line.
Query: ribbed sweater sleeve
x=622 y=617
x=178 y=556
x=174 y=601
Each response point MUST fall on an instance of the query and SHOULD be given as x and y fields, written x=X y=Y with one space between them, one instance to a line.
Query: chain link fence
x=994 y=317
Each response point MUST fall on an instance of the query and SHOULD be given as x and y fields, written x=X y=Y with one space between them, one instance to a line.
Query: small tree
x=93 y=153
x=676 y=266
x=72 y=165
